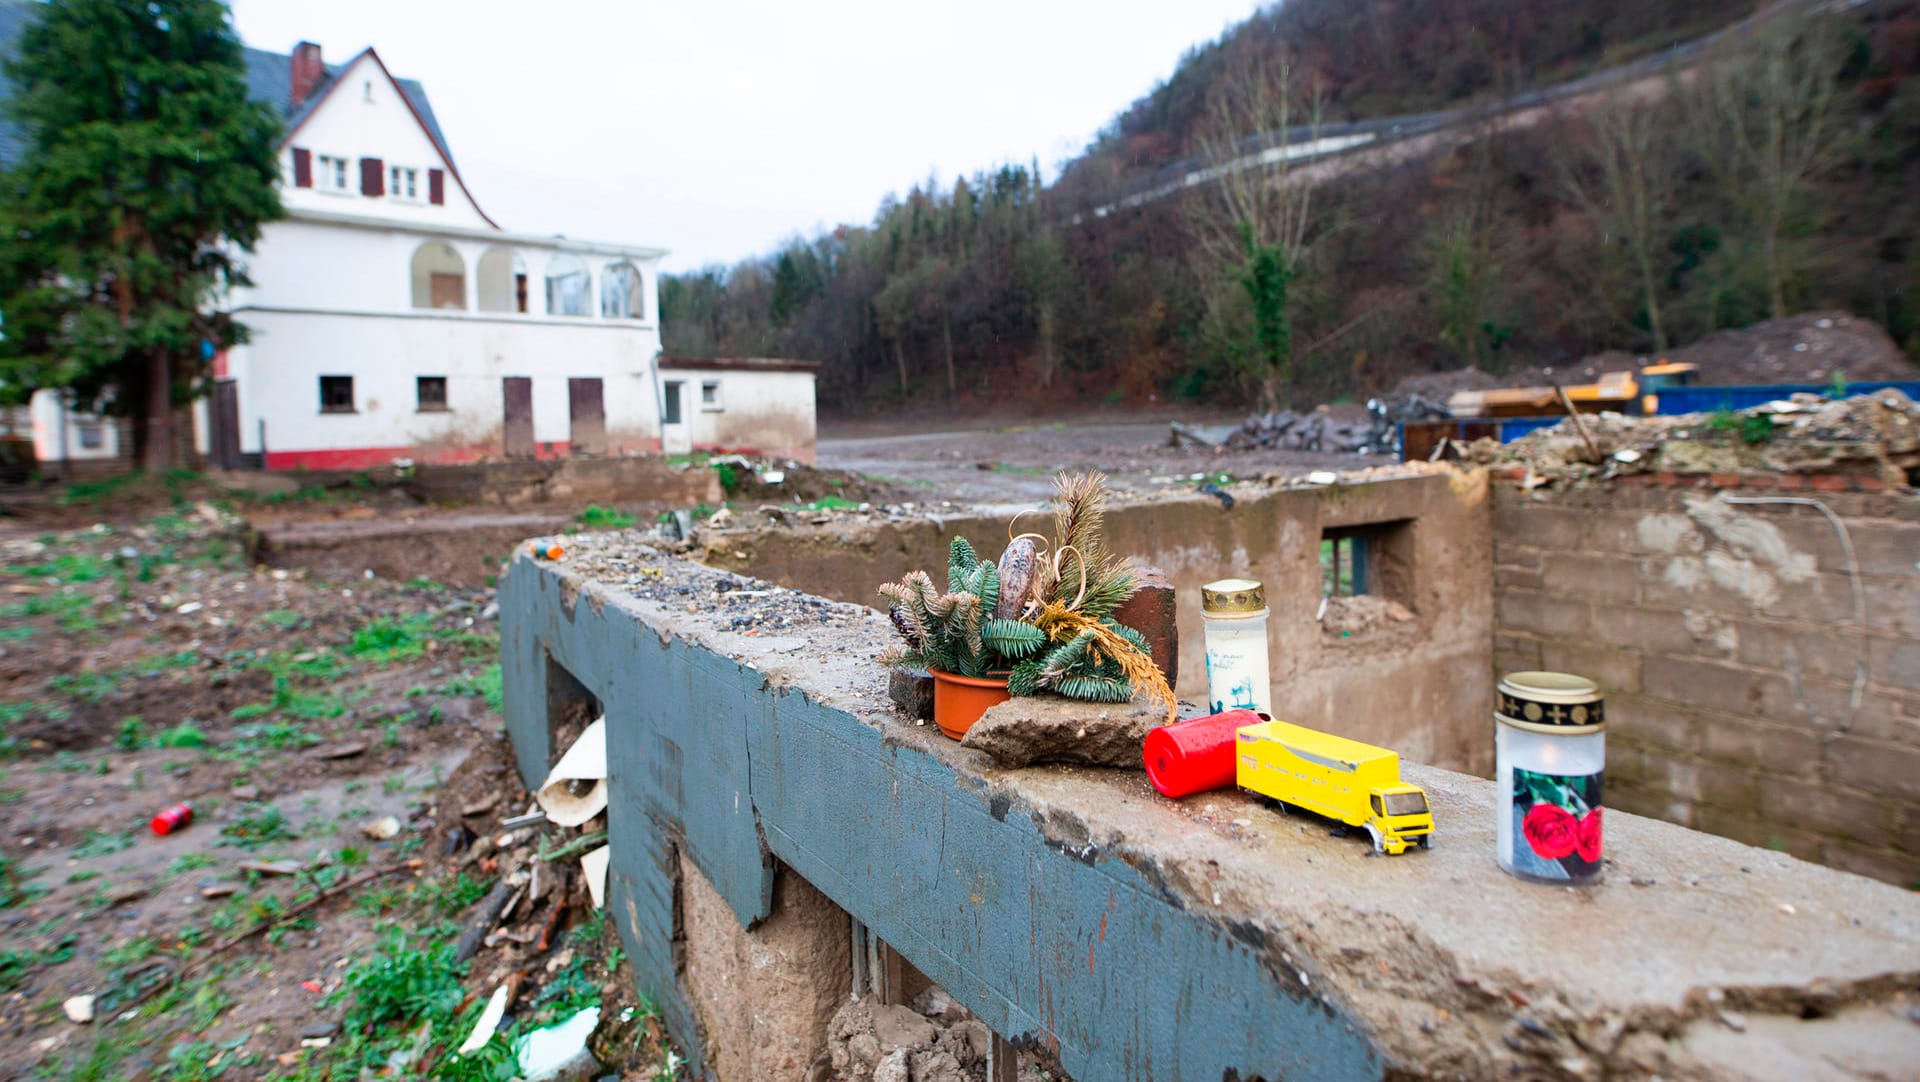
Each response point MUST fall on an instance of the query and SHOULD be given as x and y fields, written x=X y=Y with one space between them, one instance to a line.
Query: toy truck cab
x=1399 y=817
x=1345 y=780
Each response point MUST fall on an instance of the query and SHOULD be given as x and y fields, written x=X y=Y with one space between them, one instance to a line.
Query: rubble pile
x=934 y=1039
x=1876 y=435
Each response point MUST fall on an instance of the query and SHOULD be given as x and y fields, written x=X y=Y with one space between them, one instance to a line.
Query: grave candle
x=1550 y=756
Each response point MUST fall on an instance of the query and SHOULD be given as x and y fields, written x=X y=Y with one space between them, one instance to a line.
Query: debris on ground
x=933 y=1039
x=1875 y=435
x=1344 y=616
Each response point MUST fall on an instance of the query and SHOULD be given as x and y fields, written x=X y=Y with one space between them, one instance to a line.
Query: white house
x=392 y=319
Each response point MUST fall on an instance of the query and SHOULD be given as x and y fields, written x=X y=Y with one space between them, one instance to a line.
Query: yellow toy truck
x=1356 y=784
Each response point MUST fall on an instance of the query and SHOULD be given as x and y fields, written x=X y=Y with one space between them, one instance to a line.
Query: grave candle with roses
x=1550 y=755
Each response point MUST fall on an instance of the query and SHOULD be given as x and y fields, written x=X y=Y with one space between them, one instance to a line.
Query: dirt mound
x=1807 y=348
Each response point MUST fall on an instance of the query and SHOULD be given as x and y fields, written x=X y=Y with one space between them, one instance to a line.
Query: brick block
x=1829 y=812
x=1670 y=728
x=1699 y=683
x=1886 y=548
x=1790 y=482
x=1603 y=579
x=1506 y=577
x=1828 y=482
x=1878 y=767
x=1820 y=651
x=1907 y=831
x=1764 y=833
x=1895 y=662
x=1900 y=869
x=1777 y=749
x=1528 y=610
x=1717 y=785
x=1892 y=604
x=1801 y=702
x=1650 y=630
x=1616 y=670
x=1512 y=554
x=912 y=692
x=1150 y=611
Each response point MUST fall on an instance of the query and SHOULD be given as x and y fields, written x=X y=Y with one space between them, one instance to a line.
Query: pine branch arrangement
x=1046 y=619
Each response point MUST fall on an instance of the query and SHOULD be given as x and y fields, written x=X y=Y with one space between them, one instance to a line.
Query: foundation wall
x=1752 y=690
x=1420 y=685
x=759 y=784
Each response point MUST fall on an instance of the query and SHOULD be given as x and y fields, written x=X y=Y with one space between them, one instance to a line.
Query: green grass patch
x=387 y=641
x=285 y=619
x=15 y=965
x=259 y=824
x=100 y=843
x=71 y=567
x=596 y=517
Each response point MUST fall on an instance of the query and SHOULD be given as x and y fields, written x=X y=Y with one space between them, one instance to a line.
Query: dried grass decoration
x=1043 y=615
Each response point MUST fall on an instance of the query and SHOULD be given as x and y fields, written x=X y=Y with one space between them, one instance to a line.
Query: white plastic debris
x=594 y=863
x=585 y=761
x=1322 y=477
x=772 y=477
x=553 y=1051
x=190 y=608
x=1627 y=454
x=382 y=828
x=489 y=1022
x=79 y=1009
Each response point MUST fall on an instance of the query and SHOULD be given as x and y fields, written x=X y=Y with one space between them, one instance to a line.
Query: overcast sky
x=718 y=129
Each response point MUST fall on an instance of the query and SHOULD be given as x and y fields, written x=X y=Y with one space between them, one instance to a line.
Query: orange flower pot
x=958 y=701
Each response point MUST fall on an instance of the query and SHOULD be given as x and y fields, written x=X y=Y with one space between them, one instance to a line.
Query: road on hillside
x=1350 y=146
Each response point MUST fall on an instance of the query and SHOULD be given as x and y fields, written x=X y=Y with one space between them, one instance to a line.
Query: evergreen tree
x=147 y=172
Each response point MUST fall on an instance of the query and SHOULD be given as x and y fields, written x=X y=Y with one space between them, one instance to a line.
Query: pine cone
x=1019 y=566
x=904 y=624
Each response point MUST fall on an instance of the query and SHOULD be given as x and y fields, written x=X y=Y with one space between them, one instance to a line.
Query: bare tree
x=1764 y=118
x=1623 y=175
x=1262 y=123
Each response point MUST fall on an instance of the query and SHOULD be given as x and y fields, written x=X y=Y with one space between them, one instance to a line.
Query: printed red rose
x=1588 y=844
x=1551 y=830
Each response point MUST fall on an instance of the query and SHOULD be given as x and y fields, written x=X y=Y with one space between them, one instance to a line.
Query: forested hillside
x=1776 y=175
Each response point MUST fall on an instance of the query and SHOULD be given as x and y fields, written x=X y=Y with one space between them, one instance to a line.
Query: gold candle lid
x=1233 y=596
x=1551 y=702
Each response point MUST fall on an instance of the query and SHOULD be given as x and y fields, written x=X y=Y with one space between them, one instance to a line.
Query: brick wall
x=1743 y=695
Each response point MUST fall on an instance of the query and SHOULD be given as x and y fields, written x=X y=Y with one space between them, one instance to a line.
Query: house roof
x=268 y=76
x=739 y=364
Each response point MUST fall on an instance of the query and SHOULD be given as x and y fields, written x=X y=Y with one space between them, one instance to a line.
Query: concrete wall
x=1139 y=938
x=1744 y=695
x=1421 y=686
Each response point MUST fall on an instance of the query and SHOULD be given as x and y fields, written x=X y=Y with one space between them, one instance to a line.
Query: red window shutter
x=373 y=176
x=436 y=186
x=302 y=167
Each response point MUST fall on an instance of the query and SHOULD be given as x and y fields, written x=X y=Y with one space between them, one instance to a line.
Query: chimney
x=307 y=71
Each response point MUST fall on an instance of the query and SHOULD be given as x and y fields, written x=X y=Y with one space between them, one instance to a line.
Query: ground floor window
x=432 y=394
x=336 y=394
x=92 y=437
x=710 y=395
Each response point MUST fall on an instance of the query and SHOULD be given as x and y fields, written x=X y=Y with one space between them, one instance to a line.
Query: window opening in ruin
x=1343 y=564
x=432 y=394
x=710 y=396
x=336 y=394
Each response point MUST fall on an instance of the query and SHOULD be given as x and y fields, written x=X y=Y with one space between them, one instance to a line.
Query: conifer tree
x=146 y=173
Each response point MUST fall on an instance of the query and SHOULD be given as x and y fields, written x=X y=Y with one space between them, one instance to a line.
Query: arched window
x=568 y=287
x=503 y=281
x=439 y=277
x=620 y=293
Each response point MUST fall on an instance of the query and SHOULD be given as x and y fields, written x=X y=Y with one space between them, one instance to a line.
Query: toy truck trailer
x=1347 y=781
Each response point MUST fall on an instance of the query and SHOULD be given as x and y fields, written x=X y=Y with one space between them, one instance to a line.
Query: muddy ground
x=144 y=662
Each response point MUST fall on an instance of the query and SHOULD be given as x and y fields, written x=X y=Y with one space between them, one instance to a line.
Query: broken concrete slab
x=1050 y=729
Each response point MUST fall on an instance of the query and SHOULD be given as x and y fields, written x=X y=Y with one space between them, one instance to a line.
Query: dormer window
x=329 y=173
x=403 y=183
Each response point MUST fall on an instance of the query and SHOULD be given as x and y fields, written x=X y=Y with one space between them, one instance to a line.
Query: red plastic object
x=173 y=818
x=1194 y=756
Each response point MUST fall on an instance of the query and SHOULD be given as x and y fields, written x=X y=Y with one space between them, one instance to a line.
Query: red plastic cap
x=1194 y=756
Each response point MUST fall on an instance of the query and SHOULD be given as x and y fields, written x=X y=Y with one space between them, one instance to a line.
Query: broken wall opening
x=570 y=709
